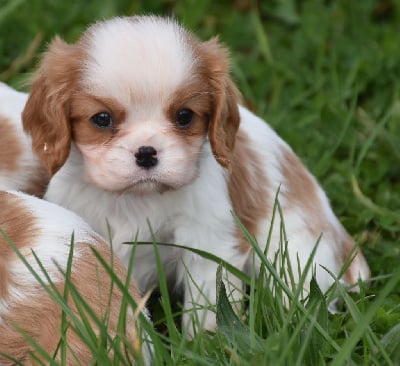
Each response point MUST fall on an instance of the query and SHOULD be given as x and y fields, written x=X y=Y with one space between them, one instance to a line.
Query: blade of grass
x=165 y=299
x=64 y=323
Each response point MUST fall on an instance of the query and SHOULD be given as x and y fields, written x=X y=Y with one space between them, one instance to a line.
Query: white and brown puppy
x=46 y=229
x=140 y=121
x=20 y=169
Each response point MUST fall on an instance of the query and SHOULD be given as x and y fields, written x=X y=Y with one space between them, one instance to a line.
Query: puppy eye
x=184 y=117
x=102 y=120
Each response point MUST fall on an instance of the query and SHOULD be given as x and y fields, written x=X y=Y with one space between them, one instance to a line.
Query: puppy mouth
x=147 y=185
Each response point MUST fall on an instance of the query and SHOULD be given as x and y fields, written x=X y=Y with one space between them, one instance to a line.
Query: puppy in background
x=20 y=169
x=44 y=228
x=140 y=122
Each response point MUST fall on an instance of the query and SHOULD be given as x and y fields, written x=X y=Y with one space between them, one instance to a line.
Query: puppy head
x=138 y=97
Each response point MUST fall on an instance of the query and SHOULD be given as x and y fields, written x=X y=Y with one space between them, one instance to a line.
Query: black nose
x=146 y=157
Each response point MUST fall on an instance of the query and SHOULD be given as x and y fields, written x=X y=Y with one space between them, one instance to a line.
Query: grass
x=326 y=75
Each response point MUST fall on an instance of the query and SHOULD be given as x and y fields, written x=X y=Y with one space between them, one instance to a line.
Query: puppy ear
x=225 y=119
x=46 y=113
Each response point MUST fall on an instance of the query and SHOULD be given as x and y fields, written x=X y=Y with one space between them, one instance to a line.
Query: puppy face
x=139 y=97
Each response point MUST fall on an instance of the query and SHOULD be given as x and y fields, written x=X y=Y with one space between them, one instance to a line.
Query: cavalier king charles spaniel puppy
x=139 y=125
x=35 y=226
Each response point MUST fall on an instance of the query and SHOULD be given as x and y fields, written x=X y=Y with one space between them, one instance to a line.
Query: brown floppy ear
x=225 y=118
x=46 y=113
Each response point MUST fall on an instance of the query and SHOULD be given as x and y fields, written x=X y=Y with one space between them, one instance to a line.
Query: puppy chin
x=149 y=186
x=141 y=188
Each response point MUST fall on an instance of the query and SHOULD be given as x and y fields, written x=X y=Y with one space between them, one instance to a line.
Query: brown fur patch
x=20 y=226
x=10 y=147
x=37 y=317
x=301 y=190
x=248 y=188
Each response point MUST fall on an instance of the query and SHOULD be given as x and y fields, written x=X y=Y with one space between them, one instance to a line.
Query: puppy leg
x=200 y=294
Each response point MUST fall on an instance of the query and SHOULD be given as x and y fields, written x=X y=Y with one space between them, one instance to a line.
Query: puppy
x=19 y=167
x=139 y=122
x=44 y=228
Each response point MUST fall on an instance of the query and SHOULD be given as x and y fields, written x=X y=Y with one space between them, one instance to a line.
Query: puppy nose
x=146 y=157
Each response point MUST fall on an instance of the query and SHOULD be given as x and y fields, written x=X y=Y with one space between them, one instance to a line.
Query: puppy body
x=142 y=125
x=198 y=215
x=46 y=229
x=20 y=169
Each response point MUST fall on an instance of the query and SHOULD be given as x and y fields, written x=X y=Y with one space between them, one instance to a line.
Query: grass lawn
x=326 y=75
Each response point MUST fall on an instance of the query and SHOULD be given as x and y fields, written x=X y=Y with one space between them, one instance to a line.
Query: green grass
x=326 y=75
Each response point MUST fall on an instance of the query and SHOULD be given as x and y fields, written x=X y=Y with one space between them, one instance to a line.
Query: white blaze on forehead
x=137 y=58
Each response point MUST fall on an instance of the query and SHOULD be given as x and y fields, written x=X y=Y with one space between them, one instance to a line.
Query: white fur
x=112 y=65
